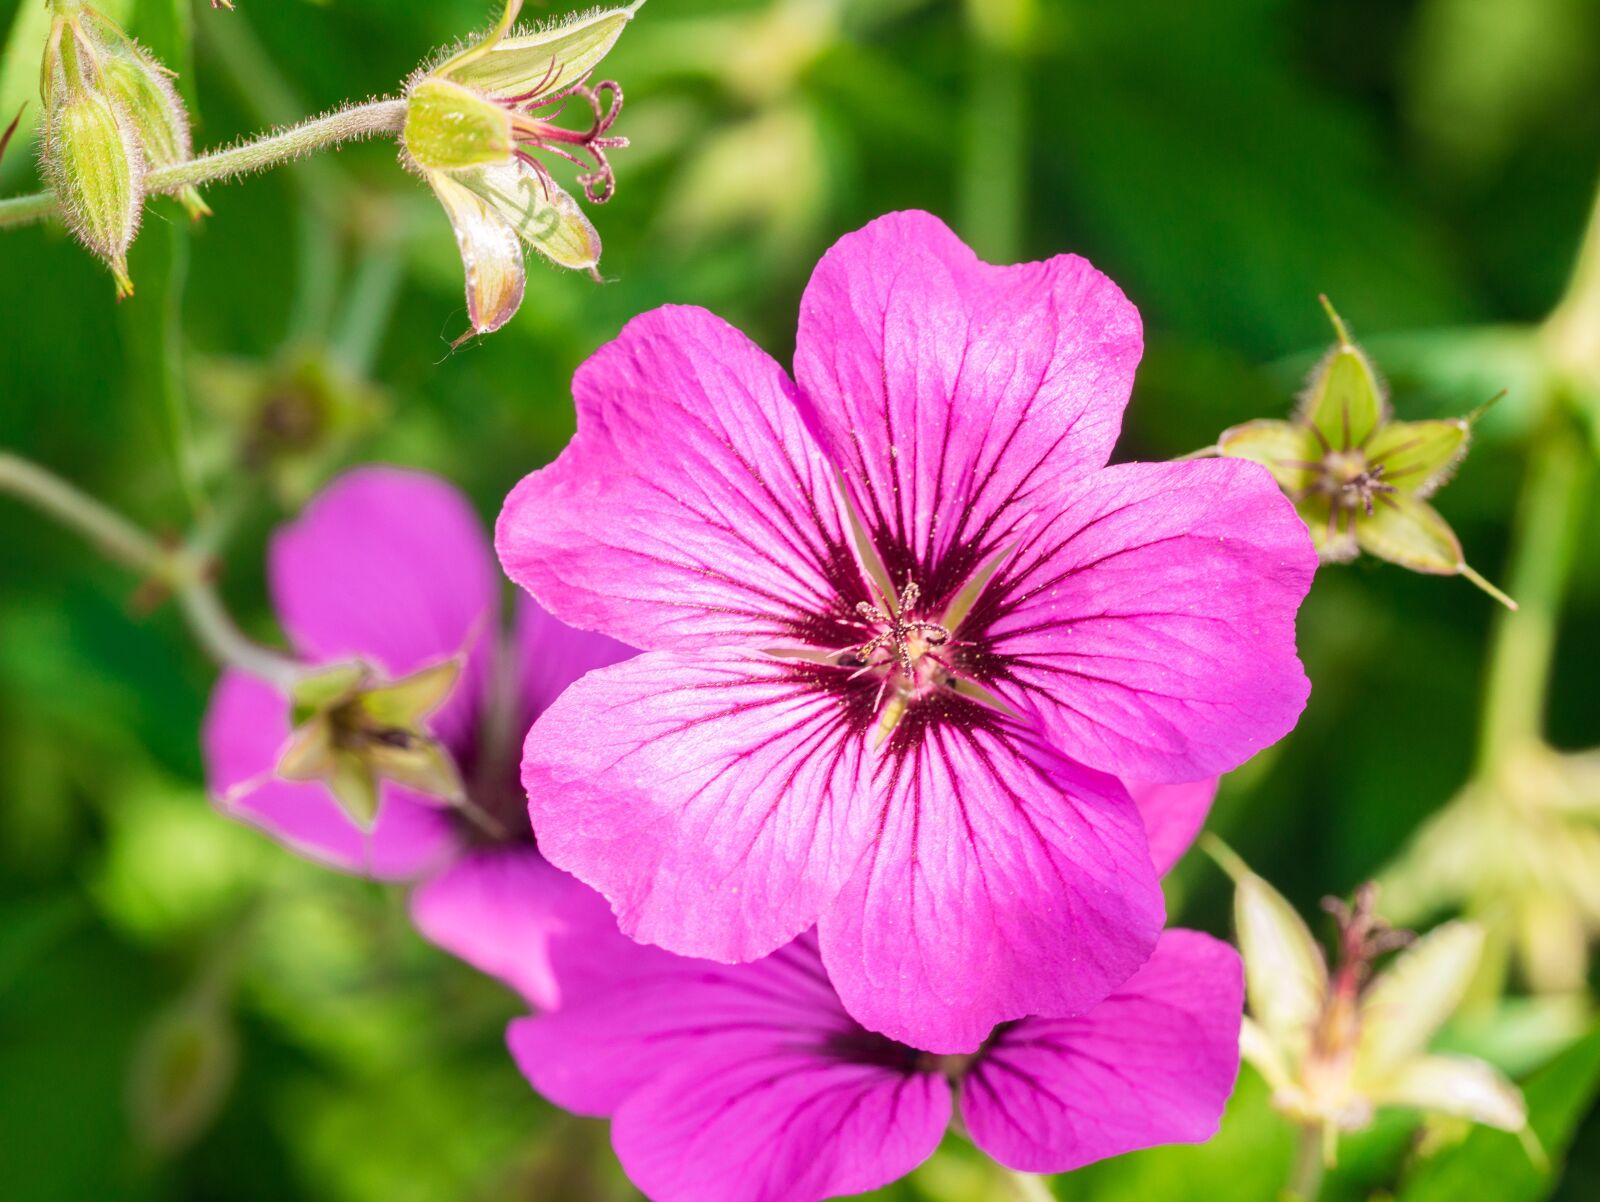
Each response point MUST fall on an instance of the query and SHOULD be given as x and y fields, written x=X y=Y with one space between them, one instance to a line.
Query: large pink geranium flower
x=904 y=629
x=393 y=568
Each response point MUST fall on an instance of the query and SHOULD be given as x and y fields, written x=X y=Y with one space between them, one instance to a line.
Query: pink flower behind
x=752 y=1083
x=903 y=628
x=393 y=568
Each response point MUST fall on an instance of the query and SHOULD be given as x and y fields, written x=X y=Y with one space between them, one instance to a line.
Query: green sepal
x=546 y=61
x=419 y=763
x=452 y=128
x=354 y=785
x=405 y=702
x=319 y=691
x=1418 y=457
x=1288 y=450
x=1331 y=531
x=1409 y=532
x=1344 y=400
x=96 y=167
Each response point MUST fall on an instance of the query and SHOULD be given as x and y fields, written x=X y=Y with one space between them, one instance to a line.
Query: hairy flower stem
x=332 y=129
x=183 y=569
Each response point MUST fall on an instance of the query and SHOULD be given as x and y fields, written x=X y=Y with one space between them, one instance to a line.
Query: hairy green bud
x=143 y=87
x=94 y=163
x=90 y=151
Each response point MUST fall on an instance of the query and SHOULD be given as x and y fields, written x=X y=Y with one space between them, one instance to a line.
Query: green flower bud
x=90 y=149
x=143 y=87
x=95 y=166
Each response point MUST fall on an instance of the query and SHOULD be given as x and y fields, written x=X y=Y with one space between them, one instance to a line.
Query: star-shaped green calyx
x=353 y=730
x=1360 y=480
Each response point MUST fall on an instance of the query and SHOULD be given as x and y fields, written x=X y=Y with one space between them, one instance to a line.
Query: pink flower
x=393 y=567
x=903 y=627
x=751 y=1082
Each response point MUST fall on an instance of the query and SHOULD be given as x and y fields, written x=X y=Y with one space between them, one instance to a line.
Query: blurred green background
x=186 y=1012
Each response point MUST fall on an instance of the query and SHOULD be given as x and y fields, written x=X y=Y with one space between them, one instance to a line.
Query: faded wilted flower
x=1358 y=479
x=475 y=126
x=1335 y=1047
x=1520 y=848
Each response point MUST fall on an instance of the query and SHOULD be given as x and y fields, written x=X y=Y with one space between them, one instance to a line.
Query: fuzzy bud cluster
x=111 y=115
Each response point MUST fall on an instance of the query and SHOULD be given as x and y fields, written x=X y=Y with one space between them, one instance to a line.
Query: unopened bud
x=143 y=87
x=90 y=151
x=94 y=163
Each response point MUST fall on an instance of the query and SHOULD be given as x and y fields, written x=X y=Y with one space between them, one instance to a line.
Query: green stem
x=1305 y=1177
x=1548 y=514
x=1028 y=1187
x=112 y=534
x=994 y=177
x=180 y=568
x=1543 y=541
x=359 y=121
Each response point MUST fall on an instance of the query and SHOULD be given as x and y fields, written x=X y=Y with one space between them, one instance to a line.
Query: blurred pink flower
x=393 y=568
x=903 y=630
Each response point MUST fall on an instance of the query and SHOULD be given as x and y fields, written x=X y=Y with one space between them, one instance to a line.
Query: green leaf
x=1418 y=457
x=1409 y=532
x=1490 y=1164
x=1286 y=449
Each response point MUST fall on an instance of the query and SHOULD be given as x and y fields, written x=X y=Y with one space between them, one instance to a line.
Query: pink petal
x=1173 y=816
x=692 y=508
x=1003 y=882
x=634 y=1011
x=246 y=728
x=777 y=1126
x=552 y=655
x=718 y=804
x=501 y=910
x=742 y=1083
x=1153 y=1064
x=392 y=567
x=955 y=395
x=1151 y=620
